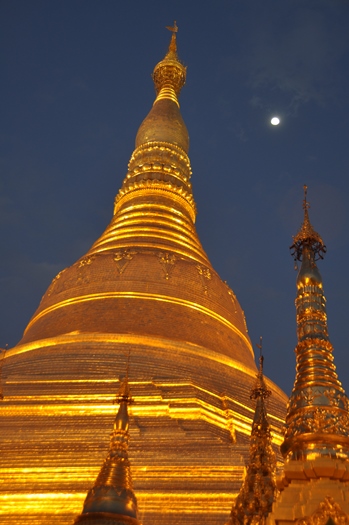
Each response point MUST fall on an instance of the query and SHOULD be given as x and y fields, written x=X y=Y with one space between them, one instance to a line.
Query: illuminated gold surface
x=317 y=420
x=326 y=510
x=256 y=495
x=314 y=484
x=112 y=492
x=145 y=288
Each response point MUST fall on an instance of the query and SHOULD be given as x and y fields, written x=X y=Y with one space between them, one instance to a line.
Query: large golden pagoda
x=314 y=484
x=145 y=288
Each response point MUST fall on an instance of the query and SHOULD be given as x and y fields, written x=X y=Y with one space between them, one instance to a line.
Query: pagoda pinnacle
x=307 y=235
x=169 y=74
x=112 y=497
x=256 y=496
x=164 y=122
x=155 y=207
x=317 y=416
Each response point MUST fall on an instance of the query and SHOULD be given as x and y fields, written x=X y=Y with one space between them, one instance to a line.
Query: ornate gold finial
x=307 y=235
x=174 y=29
x=169 y=74
x=317 y=420
x=256 y=496
x=260 y=389
x=173 y=43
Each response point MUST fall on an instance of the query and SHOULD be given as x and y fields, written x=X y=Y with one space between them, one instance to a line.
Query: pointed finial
x=123 y=394
x=174 y=29
x=169 y=74
x=173 y=43
x=307 y=236
x=305 y=203
x=257 y=492
x=260 y=390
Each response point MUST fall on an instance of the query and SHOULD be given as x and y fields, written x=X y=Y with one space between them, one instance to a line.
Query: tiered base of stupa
x=190 y=427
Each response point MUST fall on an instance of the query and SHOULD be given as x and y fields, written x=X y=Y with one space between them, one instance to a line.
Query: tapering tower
x=257 y=492
x=112 y=500
x=315 y=481
x=146 y=287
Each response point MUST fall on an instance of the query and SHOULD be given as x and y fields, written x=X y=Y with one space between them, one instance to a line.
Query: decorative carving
x=318 y=420
x=205 y=274
x=122 y=258
x=328 y=509
x=167 y=261
x=232 y=296
x=245 y=322
x=186 y=197
x=333 y=397
x=83 y=277
x=86 y=261
x=54 y=281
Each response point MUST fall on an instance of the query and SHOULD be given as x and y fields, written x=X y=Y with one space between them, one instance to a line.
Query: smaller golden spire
x=260 y=390
x=112 y=497
x=317 y=422
x=307 y=235
x=256 y=496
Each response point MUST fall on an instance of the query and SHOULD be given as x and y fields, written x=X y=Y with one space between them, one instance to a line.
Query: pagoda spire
x=112 y=497
x=256 y=495
x=155 y=207
x=317 y=423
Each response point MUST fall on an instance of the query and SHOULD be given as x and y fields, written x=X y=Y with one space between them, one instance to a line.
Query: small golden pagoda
x=146 y=287
x=314 y=486
x=257 y=492
x=112 y=501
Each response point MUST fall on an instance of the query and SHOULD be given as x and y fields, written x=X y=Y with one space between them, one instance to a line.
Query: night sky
x=76 y=84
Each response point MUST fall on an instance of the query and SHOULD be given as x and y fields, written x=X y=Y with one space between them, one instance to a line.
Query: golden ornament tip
x=260 y=389
x=307 y=235
x=174 y=29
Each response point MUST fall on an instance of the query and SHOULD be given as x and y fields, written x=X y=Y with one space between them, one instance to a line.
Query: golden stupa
x=314 y=483
x=145 y=289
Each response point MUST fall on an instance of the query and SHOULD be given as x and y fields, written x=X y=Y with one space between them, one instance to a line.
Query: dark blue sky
x=75 y=87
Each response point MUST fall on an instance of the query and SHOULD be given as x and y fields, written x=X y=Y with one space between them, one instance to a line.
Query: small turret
x=314 y=483
x=256 y=495
x=112 y=499
x=317 y=417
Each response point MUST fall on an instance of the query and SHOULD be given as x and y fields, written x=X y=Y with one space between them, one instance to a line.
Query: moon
x=275 y=121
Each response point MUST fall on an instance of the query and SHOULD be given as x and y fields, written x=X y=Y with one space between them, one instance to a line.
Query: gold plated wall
x=189 y=430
